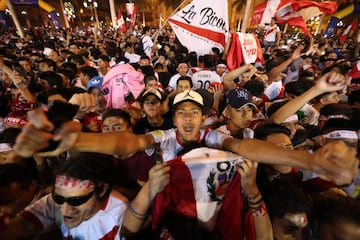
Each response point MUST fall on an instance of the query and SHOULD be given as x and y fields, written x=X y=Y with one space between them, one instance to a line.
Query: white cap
x=190 y=95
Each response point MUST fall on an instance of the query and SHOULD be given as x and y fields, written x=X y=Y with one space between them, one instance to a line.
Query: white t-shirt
x=274 y=90
x=147 y=44
x=170 y=144
x=133 y=57
x=270 y=35
x=105 y=224
x=202 y=79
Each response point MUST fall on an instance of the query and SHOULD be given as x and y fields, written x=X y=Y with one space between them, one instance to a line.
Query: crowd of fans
x=144 y=100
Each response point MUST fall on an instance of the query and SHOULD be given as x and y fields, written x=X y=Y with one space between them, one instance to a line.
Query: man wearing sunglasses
x=82 y=204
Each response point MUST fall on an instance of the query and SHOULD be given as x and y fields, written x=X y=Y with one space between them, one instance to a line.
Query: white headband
x=4 y=147
x=221 y=65
x=67 y=182
x=341 y=134
x=292 y=118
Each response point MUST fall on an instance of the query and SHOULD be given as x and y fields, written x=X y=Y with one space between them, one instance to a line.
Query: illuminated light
x=95 y=4
x=23 y=12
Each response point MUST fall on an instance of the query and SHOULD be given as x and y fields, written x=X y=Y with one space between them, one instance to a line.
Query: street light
x=92 y=5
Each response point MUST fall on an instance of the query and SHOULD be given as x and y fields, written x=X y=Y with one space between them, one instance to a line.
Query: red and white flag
x=131 y=9
x=120 y=22
x=264 y=12
x=245 y=48
x=202 y=25
x=205 y=185
x=347 y=31
x=296 y=13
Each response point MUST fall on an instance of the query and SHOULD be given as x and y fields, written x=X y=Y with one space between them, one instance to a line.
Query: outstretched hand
x=336 y=162
x=38 y=132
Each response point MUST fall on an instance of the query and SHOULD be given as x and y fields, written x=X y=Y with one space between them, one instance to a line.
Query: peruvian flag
x=347 y=31
x=204 y=185
x=120 y=22
x=245 y=48
x=202 y=25
x=264 y=12
x=131 y=10
x=296 y=13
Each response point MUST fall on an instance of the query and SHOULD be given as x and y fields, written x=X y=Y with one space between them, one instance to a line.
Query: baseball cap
x=95 y=82
x=239 y=97
x=151 y=91
x=189 y=95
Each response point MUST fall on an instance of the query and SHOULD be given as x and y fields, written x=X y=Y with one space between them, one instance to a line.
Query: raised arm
x=230 y=76
x=334 y=162
x=257 y=207
x=138 y=209
x=329 y=82
x=276 y=72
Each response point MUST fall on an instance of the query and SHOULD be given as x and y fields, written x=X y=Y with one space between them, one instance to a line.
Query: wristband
x=136 y=214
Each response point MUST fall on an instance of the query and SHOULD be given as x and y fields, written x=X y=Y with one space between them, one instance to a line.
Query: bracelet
x=254 y=197
x=136 y=214
x=255 y=201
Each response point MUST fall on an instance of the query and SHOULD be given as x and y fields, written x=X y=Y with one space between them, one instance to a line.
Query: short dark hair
x=49 y=63
x=265 y=130
x=117 y=113
x=186 y=78
x=89 y=71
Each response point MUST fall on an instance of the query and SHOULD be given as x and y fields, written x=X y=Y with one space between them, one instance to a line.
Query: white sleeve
x=215 y=139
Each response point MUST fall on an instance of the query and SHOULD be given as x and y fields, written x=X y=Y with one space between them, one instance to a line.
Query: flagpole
x=238 y=25
x=143 y=19
x=113 y=13
x=166 y=20
x=246 y=16
x=15 y=19
x=176 y=9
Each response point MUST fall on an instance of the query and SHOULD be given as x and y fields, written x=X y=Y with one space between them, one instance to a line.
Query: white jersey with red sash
x=104 y=225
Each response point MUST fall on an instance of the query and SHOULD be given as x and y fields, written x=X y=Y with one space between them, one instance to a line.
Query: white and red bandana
x=67 y=182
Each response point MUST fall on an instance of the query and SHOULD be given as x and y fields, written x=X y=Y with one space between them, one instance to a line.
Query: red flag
x=347 y=31
x=205 y=185
x=245 y=48
x=264 y=12
x=258 y=13
x=120 y=21
x=290 y=12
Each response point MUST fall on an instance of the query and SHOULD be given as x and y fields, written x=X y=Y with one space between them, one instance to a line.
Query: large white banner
x=202 y=25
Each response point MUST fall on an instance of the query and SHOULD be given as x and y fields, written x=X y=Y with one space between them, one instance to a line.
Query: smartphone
x=59 y=113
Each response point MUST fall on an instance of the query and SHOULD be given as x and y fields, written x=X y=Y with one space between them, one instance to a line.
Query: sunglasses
x=73 y=201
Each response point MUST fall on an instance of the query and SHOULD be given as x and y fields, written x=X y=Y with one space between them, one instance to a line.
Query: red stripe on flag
x=213 y=36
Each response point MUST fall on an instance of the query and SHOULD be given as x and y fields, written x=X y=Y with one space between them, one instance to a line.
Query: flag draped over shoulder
x=205 y=185
x=296 y=13
x=202 y=25
x=120 y=21
x=245 y=48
